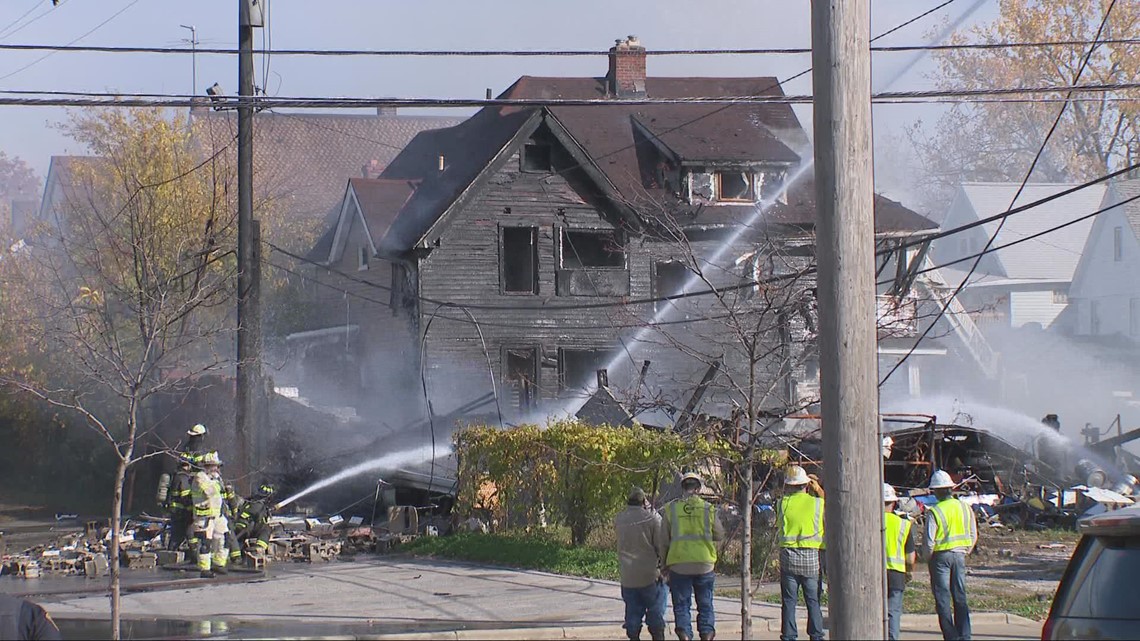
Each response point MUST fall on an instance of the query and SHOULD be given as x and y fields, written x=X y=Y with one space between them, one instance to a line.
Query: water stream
x=387 y=463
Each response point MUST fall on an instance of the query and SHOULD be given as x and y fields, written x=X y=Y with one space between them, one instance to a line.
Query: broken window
x=520 y=369
x=734 y=186
x=578 y=368
x=518 y=259
x=669 y=278
x=536 y=158
x=772 y=186
x=592 y=249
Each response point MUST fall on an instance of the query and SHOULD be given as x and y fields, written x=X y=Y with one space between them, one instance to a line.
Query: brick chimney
x=627 y=69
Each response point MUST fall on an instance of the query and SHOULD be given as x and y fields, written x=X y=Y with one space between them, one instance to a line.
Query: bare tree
x=126 y=296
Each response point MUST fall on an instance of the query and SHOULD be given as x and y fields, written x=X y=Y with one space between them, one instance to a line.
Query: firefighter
x=210 y=523
x=231 y=504
x=195 y=447
x=180 y=507
x=252 y=522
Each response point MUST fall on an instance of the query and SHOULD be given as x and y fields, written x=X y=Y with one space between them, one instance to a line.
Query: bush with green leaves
x=570 y=473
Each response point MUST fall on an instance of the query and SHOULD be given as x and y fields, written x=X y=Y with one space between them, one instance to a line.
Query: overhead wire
x=267 y=50
x=4 y=33
x=85 y=34
x=1013 y=201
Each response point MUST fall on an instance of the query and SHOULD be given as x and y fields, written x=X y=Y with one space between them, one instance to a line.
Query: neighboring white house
x=1026 y=283
x=1105 y=295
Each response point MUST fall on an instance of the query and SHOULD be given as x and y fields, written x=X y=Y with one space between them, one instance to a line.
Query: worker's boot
x=708 y=637
x=221 y=569
x=207 y=574
x=682 y=636
x=657 y=634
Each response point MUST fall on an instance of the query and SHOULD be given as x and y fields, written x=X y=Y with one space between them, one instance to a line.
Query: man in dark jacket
x=22 y=619
x=252 y=520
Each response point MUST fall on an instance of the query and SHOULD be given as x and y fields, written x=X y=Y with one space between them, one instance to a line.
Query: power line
x=4 y=32
x=1023 y=239
x=105 y=99
x=89 y=32
x=34 y=20
x=501 y=53
x=1020 y=189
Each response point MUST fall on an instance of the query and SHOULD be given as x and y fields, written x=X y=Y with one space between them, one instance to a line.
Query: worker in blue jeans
x=690 y=529
x=951 y=534
x=642 y=586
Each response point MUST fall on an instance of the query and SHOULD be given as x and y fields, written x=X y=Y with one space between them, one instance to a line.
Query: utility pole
x=852 y=459
x=250 y=389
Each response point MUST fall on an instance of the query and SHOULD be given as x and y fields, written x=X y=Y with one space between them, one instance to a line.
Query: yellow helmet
x=197 y=430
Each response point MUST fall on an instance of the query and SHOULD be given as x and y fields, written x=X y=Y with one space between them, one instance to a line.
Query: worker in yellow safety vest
x=690 y=529
x=899 y=541
x=801 y=537
x=210 y=524
x=951 y=533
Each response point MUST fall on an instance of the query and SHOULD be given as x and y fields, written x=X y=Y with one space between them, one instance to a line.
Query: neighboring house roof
x=1122 y=190
x=64 y=184
x=1051 y=257
x=303 y=159
x=613 y=141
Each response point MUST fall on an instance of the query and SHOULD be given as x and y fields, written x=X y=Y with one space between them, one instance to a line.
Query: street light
x=193 y=57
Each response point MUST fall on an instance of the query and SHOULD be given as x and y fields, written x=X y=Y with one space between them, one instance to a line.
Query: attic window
x=583 y=249
x=536 y=158
x=735 y=186
x=670 y=278
x=362 y=261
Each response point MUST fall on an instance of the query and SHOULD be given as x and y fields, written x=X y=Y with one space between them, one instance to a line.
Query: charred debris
x=1032 y=480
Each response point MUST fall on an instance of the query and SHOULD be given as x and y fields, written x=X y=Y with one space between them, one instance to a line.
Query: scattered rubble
x=292 y=539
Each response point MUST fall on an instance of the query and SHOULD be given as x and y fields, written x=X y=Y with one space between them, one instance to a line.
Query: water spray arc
x=389 y=462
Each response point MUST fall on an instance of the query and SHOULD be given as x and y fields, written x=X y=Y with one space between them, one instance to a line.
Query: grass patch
x=982 y=597
x=545 y=552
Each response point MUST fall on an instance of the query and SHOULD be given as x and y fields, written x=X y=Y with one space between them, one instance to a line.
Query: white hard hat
x=197 y=430
x=691 y=476
x=211 y=458
x=889 y=495
x=795 y=475
x=941 y=480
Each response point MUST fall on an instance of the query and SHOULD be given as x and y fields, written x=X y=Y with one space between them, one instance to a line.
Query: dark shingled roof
x=617 y=139
x=302 y=160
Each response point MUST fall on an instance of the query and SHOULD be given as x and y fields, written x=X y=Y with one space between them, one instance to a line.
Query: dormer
x=710 y=162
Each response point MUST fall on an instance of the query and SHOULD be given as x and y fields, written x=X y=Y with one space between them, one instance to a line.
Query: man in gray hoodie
x=642 y=588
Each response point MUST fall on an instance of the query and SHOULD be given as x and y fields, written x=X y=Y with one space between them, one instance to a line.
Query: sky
x=28 y=132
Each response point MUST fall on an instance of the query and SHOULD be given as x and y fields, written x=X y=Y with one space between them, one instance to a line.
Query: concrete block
x=170 y=557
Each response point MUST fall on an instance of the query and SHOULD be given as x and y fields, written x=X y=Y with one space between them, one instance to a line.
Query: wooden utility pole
x=852 y=459
x=249 y=420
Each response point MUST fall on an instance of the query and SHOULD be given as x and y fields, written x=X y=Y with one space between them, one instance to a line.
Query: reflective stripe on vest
x=801 y=521
x=690 y=531
x=953 y=526
x=896 y=531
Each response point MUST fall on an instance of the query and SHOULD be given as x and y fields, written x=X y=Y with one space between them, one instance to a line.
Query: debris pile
x=85 y=552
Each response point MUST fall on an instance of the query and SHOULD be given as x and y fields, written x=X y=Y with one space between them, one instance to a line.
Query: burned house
x=526 y=248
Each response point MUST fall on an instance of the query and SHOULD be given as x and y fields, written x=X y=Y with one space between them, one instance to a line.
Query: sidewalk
x=390 y=598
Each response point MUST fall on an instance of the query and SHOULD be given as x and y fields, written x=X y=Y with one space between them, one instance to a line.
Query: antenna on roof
x=488 y=93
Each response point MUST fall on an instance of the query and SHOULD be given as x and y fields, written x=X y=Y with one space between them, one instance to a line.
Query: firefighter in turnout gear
x=231 y=504
x=180 y=507
x=252 y=522
x=195 y=448
x=690 y=529
x=210 y=525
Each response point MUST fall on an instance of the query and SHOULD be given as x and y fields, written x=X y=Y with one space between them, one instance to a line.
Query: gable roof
x=615 y=141
x=1050 y=257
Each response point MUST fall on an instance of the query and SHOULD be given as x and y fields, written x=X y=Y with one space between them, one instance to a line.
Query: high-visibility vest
x=801 y=521
x=897 y=529
x=953 y=526
x=690 y=531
